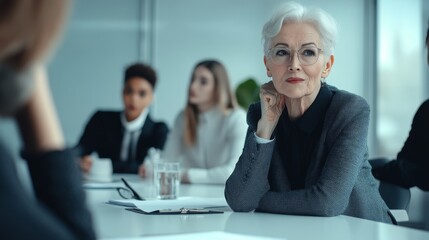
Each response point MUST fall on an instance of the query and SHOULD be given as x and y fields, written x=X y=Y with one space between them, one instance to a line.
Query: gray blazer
x=338 y=180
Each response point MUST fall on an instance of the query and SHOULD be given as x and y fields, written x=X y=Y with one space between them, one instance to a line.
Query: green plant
x=247 y=92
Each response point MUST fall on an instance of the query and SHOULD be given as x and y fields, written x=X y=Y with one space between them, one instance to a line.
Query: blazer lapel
x=144 y=135
x=118 y=135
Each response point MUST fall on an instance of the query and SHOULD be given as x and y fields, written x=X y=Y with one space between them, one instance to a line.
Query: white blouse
x=219 y=144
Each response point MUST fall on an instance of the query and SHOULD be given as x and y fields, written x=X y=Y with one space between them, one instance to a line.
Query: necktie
x=130 y=156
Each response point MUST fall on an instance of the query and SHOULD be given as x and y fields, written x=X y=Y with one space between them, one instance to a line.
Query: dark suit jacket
x=104 y=133
x=338 y=180
x=55 y=213
x=411 y=167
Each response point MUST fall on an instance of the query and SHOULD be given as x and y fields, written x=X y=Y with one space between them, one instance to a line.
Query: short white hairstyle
x=292 y=12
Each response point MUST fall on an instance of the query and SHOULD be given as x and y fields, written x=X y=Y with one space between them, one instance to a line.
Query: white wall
x=87 y=71
x=188 y=31
x=103 y=36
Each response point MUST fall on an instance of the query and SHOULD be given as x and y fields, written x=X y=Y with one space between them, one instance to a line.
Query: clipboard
x=174 y=211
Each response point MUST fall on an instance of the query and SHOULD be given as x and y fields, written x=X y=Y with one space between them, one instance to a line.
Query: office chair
x=395 y=197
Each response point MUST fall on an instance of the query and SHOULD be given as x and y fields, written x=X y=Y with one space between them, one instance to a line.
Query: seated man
x=125 y=136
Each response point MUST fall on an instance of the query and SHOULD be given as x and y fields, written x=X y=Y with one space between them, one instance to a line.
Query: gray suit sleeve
x=249 y=183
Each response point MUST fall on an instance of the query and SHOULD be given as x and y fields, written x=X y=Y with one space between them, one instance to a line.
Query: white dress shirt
x=134 y=127
x=219 y=144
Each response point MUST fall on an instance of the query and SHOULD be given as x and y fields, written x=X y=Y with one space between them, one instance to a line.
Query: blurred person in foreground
x=28 y=29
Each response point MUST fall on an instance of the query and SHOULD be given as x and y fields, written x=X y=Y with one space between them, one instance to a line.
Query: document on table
x=179 y=203
x=98 y=185
x=203 y=235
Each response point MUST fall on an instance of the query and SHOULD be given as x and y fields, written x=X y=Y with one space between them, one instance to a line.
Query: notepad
x=176 y=204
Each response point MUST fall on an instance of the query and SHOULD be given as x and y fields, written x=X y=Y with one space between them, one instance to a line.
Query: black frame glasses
x=128 y=192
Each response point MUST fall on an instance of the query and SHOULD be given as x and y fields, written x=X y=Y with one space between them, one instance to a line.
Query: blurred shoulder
x=425 y=106
x=234 y=116
x=160 y=125
x=106 y=114
x=237 y=113
x=180 y=119
x=423 y=111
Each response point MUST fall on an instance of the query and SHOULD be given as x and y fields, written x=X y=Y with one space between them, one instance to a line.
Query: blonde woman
x=208 y=135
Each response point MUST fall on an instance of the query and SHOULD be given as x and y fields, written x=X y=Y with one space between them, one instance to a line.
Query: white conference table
x=115 y=222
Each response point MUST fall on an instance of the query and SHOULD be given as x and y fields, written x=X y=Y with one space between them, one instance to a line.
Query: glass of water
x=167 y=179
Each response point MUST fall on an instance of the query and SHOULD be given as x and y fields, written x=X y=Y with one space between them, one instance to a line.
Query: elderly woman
x=29 y=29
x=305 y=151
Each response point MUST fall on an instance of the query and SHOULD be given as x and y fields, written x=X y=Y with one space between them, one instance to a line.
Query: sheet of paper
x=203 y=235
x=182 y=202
x=123 y=202
x=98 y=185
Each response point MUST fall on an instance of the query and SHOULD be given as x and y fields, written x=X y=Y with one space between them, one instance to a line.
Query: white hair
x=295 y=12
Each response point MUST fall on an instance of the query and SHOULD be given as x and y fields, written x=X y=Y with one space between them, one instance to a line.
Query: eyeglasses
x=129 y=192
x=282 y=55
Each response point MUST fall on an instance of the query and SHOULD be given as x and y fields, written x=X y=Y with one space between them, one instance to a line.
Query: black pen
x=136 y=195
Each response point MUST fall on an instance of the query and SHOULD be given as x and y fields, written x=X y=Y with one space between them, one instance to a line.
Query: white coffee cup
x=101 y=170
